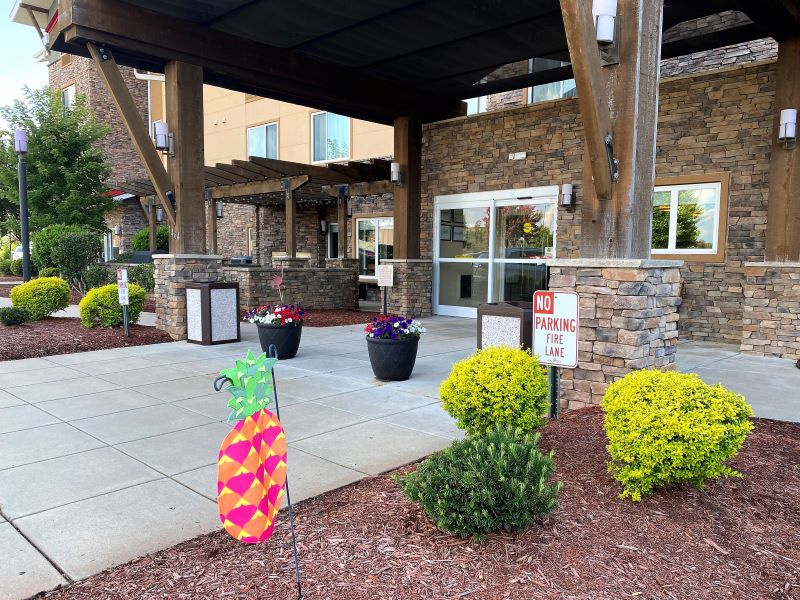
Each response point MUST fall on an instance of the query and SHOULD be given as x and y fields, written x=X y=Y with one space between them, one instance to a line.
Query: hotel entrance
x=491 y=247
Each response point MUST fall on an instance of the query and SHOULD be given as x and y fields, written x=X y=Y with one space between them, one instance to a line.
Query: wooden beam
x=211 y=222
x=240 y=64
x=267 y=186
x=289 y=169
x=362 y=171
x=369 y=188
x=140 y=188
x=592 y=98
x=184 y=99
x=121 y=96
x=291 y=222
x=225 y=175
x=783 y=209
x=341 y=219
x=620 y=226
x=32 y=17
x=236 y=170
x=258 y=169
x=407 y=197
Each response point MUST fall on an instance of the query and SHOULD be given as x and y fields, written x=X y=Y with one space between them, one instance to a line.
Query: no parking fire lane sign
x=555 y=328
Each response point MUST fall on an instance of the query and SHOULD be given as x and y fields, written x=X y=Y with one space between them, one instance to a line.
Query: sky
x=18 y=44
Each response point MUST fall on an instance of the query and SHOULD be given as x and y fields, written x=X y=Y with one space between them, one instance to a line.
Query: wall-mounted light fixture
x=159 y=214
x=219 y=210
x=163 y=139
x=395 y=176
x=605 y=16
x=323 y=226
x=567 y=197
x=117 y=229
x=787 y=131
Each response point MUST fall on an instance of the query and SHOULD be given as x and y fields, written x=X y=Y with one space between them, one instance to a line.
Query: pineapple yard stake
x=251 y=468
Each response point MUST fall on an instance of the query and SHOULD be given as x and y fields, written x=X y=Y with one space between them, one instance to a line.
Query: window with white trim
x=330 y=137
x=476 y=105
x=262 y=140
x=68 y=96
x=686 y=218
x=374 y=243
x=549 y=91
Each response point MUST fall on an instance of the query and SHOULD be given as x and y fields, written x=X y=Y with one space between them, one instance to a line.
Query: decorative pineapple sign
x=252 y=459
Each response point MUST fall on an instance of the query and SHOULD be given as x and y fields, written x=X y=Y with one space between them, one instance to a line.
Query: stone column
x=771 y=311
x=411 y=295
x=172 y=273
x=628 y=320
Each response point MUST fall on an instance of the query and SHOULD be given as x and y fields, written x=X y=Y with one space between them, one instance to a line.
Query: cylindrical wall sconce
x=605 y=15
x=567 y=197
x=787 y=132
x=161 y=135
x=159 y=214
x=219 y=210
x=117 y=229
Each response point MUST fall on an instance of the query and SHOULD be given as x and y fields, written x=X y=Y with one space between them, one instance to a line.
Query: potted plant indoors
x=280 y=325
x=392 y=344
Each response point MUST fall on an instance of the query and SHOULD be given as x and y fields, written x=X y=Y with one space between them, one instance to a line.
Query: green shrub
x=141 y=240
x=101 y=306
x=5 y=266
x=16 y=267
x=481 y=484
x=44 y=242
x=5 y=250
x=143 y=276
x=41 y=297
x=497 y=387
x=48 y=272
x=11 y=315
x=668 y=428
x=76 y=252
x=97 y=276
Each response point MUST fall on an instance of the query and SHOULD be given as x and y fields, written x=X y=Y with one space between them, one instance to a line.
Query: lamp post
x=21 y=147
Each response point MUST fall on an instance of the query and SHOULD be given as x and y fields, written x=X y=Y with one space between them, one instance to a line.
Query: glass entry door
x=491 y=247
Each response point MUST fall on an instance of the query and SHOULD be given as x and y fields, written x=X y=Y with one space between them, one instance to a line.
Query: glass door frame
x=490 y=200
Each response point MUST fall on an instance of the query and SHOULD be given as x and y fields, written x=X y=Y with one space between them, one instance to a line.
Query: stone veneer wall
x=172 y=273
x=628 y=321
x=716 y=122
x=412 y=291
x=312 y=287
x=129 y=215
x=771 y=320
x=232 y=229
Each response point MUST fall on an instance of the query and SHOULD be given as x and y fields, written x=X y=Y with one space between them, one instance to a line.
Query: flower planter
x=392 y=360
x=285 y=338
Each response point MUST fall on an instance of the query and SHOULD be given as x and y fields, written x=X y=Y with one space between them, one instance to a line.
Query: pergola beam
x=252 y=188
x=292 y=169
x=366 y=188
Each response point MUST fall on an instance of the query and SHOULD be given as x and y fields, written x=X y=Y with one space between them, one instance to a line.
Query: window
x=549 y=91
x=476 y=105
x=374 y=243
x=687 y=217
x=333 y=240
x=330 y=137
x=68 y=96
x=263 y=141
x=251 y=241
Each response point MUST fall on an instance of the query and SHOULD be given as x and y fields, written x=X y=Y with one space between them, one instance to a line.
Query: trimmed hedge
x=100 y=306
x=141 y=239
x=44 y=242
x=49 y=272
x=41 y=297
x=11 y=315
x=666 y=428
x=16 y=267
x=5 y=266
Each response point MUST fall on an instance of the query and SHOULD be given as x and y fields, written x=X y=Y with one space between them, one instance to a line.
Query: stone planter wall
x=771 y=318
x=412 y=293
x=628 y=321
x=172 y=273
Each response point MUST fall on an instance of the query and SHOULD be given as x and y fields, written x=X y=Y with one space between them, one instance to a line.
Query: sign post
x=385 y=281
x=556 y=325
x=124 y=300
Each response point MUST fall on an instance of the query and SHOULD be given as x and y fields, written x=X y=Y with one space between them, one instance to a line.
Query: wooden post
x=341 y=219
x=152 y=224
x=620 y=227
x=184 y=95
x=783 y=209
x=291 y=220
x=407 y=196
x=211 y=220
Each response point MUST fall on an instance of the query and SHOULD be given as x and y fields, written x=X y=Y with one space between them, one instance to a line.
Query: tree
x=65 y=170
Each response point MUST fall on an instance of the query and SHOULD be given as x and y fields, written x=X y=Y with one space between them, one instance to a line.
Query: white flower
x=289 y=320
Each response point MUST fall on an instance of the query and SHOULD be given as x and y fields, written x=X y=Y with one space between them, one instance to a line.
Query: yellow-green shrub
x=496 y=387
x=41 y=297
x=100 y=306
x=668 y=428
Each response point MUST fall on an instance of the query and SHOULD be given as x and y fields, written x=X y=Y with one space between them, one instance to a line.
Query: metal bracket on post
x=342 y=191
x=613 y=163
x=286 y=184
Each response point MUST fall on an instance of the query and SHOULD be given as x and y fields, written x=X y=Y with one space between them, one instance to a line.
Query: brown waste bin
x=212 y=313
x=505 y=324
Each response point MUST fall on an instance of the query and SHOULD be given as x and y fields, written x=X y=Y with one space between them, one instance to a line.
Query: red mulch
x=332 y=318
x=737 y=538
x=60 y=335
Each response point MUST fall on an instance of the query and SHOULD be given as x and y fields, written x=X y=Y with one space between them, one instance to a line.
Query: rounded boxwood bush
x=671 y=427
x=46 y=241
x=496 y=387
x=11 y=315
x=41 y=297
x=101 y=306
x=484 y=483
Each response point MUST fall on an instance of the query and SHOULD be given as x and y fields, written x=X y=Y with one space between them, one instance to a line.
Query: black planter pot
x=286 y=338
x=392 y=360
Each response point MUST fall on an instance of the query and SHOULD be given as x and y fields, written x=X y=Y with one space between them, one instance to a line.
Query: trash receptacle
x=212 y=313
x=505 y=324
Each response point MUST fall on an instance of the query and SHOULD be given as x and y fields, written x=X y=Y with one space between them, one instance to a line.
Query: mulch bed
x=333 y=318
x=737 y=538
x=62 y=335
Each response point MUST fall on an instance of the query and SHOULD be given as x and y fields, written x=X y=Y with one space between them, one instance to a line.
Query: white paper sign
x=556 y=328
x=122 y=286
x=385 y=275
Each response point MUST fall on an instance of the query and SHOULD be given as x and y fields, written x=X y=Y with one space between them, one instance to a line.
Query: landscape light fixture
x=162 y=138
x=219 y=211
x=395 y=176
x=787 y=131
x=567 y=197
x=605 y=16
x=21 y=148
